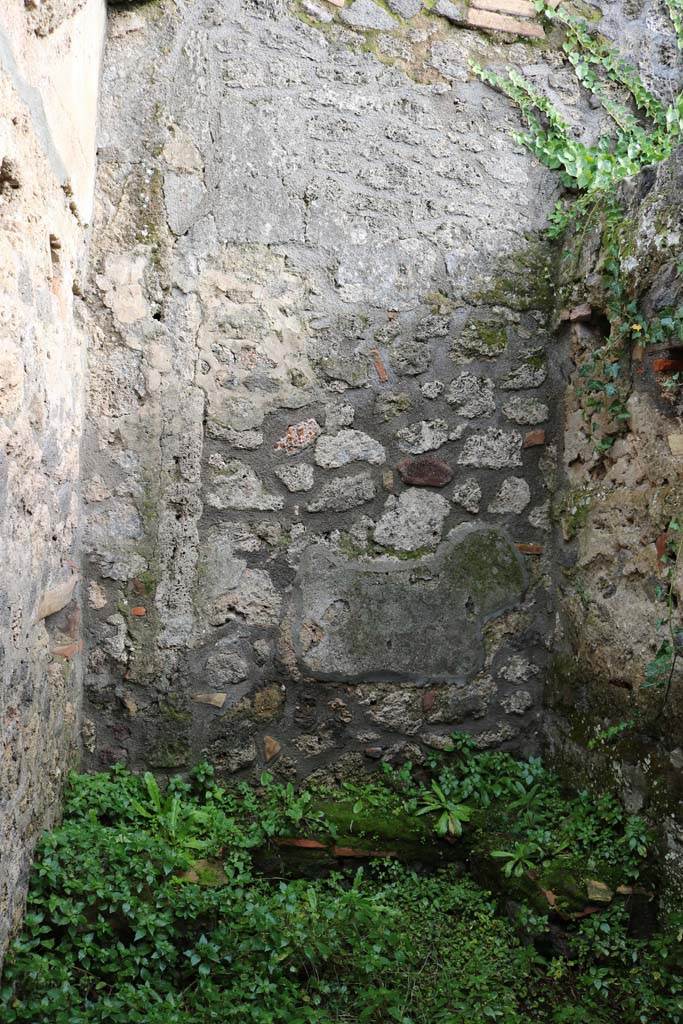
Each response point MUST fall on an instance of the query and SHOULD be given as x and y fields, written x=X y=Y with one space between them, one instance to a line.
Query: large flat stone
x=390 y=619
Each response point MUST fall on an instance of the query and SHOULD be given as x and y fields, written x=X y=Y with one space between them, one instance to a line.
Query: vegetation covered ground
x=183 y=904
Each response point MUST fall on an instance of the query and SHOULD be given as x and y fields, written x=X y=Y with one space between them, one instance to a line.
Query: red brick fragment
x=426 y=471
x=138 y=611
x=428 y=698
x=302 y=844
x=660 y=546
x=502 y=23
x=530 y=549
x=534 y=438
x=380 y=368
x=667 y=365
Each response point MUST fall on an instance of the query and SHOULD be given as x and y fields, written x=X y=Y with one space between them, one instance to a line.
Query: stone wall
x=614 y=509
x=49 y=76
x=322 y=418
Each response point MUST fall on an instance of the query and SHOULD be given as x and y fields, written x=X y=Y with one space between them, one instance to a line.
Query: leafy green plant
x=521 y=858
x=450 y=815
x=125 y=926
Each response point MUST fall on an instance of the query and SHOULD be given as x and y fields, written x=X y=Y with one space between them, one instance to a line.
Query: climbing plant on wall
x=642 y=131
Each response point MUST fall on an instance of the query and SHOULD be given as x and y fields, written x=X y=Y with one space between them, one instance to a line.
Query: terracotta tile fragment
x=534 y=438
x=138 y=611
x=530 y=549
x=302 y=844
x=501 y=23
x=380 y=368
x=271 y=747
x=521 y=8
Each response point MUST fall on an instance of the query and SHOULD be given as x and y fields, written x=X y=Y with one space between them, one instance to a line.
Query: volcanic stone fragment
x=427 y=471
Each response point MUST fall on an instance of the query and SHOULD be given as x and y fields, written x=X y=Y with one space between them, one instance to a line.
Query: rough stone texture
x=253 y=302
x=615 y=507
x=344 y=493
x=276 y=328
x=49 y=72
x=425 y=472
x=426 y=436
x=472 y=396
x=386 y=619
x=514 y=496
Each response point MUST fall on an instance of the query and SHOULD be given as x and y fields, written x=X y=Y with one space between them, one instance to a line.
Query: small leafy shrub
x=146 y=905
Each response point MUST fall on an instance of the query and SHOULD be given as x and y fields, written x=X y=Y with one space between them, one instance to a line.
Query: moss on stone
x=484 y=562
x=524 y=280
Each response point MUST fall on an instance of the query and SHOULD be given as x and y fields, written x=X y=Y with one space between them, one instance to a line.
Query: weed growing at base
x=146 y=906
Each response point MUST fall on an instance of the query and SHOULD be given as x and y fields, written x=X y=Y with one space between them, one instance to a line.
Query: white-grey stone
x=471 y=396
x=367 y=15
x=316 y=12
x=296 y=478
x=425 y=436
x=413 y=520
x=525 y=376
x=344 y=493
x=225 y=667
x=514 y=496
x=455 y=12
x=432 y=388
x=492 y=448
x=518 y=669
x=525 y=410
x=467 y=494
x=338 y=416
x=517 y=703
x=539 y=517
x=405 y=8
x=247 y=440
x=254 y=601
x=236 y=486
x=348 y=446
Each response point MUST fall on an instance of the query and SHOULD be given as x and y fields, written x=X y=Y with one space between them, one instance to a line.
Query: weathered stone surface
x=344 y=493
x=529 y=374
x=389 y=619
x=298 y=436
x=314 y=11
x=405 y=8
x=412 y=521
x=392 y=404
x=425 y=436
x=296 y=478
x=225 y=667
x=366 y=14
x=455 y=12
x=348 y=446
x=471 y=396
x=254 y=600
x=525 y=410
x=50 y=64
x=235 y=485
x=432 y=388
x=514 y=496
x=492 y=448
x=427 y=471
x=517 y=703
x=467 y=494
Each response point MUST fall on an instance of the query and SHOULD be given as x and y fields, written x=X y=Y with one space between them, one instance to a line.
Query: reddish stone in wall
x=426 y=471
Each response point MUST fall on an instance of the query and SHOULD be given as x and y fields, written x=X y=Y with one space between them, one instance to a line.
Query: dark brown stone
x=426 y=471
x=534 y=438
